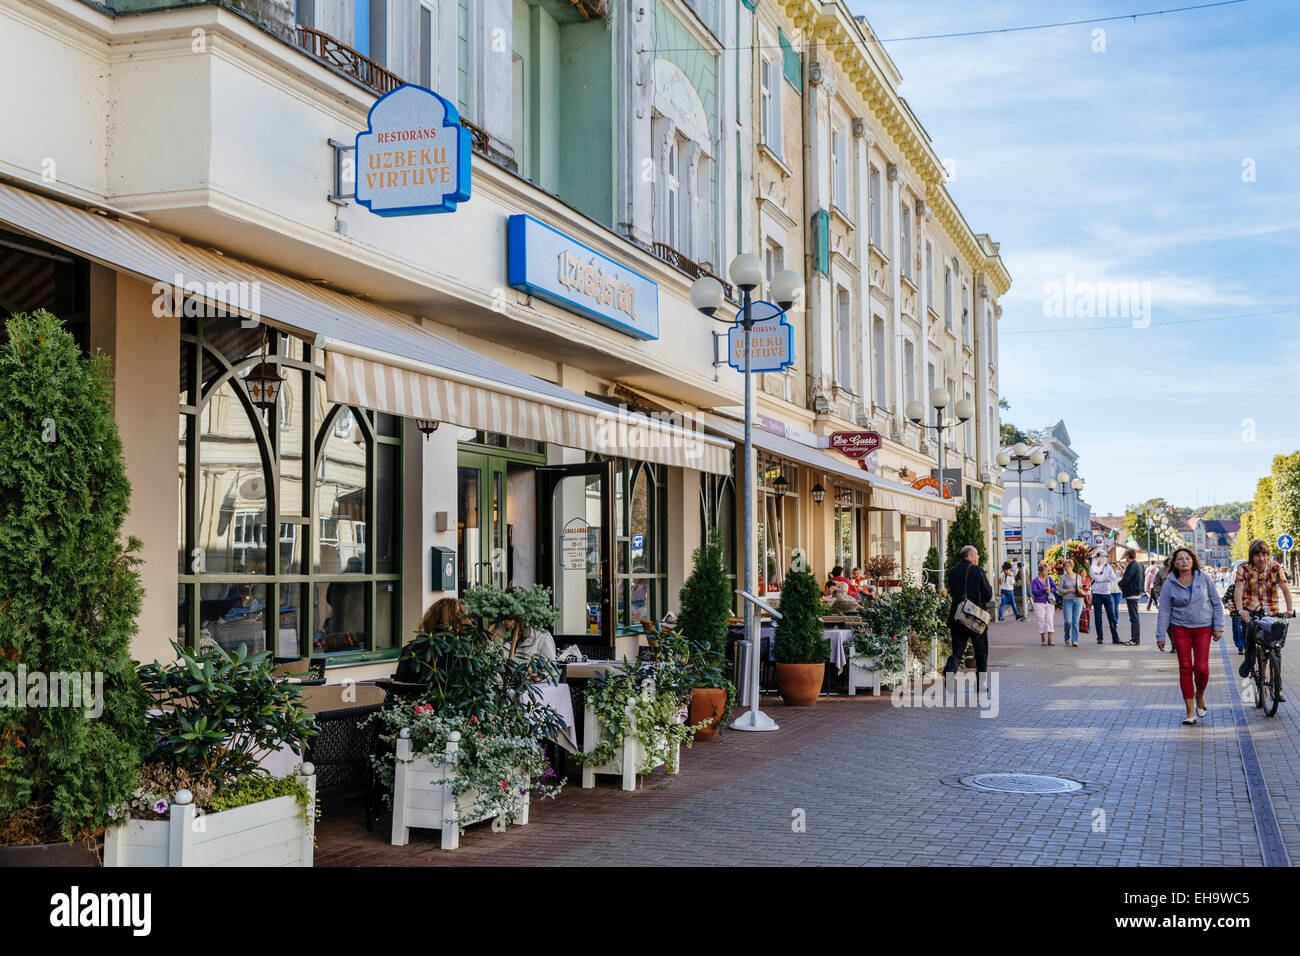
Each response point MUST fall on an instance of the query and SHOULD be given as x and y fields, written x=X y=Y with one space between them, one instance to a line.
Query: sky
x=1168 y=162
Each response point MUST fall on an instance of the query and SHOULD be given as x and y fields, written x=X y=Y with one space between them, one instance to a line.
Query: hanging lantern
x=264 y=384
x=818 y=493
x=780 y=486
x=427 y=426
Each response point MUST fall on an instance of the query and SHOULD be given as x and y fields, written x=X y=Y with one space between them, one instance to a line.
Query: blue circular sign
x=1285 y=542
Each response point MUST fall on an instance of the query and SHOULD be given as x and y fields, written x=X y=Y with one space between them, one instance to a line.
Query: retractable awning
x=886 y=495
x=375 y=357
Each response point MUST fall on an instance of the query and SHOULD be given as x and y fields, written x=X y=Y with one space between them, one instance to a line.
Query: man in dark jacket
x=1130 y=586
x=967 y=580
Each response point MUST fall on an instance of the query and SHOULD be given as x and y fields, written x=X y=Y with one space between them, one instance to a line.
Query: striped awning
x=376 y=358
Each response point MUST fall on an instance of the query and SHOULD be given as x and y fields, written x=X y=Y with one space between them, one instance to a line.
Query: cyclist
x=1259 y=582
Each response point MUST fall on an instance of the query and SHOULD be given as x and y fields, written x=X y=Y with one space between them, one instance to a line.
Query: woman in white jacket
x=1104 y=584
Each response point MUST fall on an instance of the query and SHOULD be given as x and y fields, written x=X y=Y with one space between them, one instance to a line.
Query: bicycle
x=1263 y=657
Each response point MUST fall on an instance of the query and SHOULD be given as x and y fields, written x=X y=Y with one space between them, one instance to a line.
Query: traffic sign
x=1285 y=542
x=771 y=340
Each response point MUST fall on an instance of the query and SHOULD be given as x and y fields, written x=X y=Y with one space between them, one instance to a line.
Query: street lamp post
x=1063 y=481
x=915 y=411
x=1020 y=454
x=746 y=271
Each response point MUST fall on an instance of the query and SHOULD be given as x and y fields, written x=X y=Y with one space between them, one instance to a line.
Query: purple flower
x=160 y=806
x=112 y=813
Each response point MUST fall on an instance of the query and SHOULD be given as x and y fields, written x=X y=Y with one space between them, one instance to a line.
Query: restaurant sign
x=771 y=340
x=414 y=156
x=548 y=264
x=574 y=541
x=930 y=484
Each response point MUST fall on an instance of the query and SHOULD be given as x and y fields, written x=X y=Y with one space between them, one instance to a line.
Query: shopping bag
x=1085 y=616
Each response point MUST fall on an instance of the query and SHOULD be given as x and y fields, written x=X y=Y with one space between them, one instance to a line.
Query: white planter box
x=628 y=756
x=422 y=797
x=860 y=676
x=270 y=833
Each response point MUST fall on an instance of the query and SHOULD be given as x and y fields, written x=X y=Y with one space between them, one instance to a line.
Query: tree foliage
x=1228 y=511
x=1264 y=520
x=69 y=589
x=705 y=603
x=1241 y=543
x=799 y=638
x=967 y=528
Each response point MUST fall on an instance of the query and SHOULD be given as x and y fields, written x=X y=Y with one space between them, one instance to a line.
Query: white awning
x=375 y=357
x=885 y=495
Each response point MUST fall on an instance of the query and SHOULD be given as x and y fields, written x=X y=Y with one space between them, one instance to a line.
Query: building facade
x=518 y=391
x=1048 y=517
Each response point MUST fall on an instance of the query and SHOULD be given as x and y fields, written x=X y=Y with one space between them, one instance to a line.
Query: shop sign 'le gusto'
x=414 y=157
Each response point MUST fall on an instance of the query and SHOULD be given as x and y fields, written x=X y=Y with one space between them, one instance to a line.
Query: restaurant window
x=847 y=527
x=327 y=481
x=776 y=531
x=718 y=513
x=35 y=275
x=641 y=516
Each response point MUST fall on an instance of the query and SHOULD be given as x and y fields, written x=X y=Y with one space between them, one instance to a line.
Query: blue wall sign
x=414 y=156
x=771 y=340
x=548 y=264
x=638 y=542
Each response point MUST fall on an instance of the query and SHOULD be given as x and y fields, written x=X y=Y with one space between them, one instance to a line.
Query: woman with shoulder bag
x=1044 y=592
x=1192 y=614
x=1071 y=603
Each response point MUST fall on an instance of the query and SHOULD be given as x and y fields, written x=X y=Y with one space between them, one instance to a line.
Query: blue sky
x=1126 y=166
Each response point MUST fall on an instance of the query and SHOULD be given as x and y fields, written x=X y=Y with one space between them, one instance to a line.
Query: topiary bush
x=966 y=529
x=706 y=606
x=799 y=638
x=69 y=589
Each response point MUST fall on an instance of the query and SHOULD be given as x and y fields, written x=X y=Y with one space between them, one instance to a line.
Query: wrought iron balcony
x=690 y=267
x=342 y=57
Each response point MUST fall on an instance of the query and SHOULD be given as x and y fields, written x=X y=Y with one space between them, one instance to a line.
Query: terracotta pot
x=48 y=854
x=707 y=703
x=800 y=684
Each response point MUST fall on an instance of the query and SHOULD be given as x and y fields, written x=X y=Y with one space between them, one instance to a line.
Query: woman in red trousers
x=1192 y=613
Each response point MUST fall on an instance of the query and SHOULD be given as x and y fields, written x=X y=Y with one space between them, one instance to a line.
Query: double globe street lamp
x=746 y=271
x=1062 y=480
x=1020 y=455
x=915 y=412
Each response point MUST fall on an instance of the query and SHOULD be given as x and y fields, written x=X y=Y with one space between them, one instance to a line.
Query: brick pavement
x=874 y=782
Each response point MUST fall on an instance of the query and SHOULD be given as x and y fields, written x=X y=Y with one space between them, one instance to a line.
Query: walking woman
x=1009 y=592
x=1044 y=591
x=1191 y=612
x=1071 y=603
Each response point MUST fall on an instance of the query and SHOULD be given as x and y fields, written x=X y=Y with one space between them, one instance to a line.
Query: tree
x=1228 y=511
x=1286 y=495
x=966 y=529
x=799 y=638
x=1264 y=521
x=930 y=571
x=706 y=601
x=1009 y=434
x=1136 y=522
x=1241 y=543
x=69 y=588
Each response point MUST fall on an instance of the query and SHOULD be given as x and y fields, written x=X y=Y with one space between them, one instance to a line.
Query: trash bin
x=740 y=672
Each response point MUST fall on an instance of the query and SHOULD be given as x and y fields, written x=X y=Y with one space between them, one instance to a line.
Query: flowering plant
x=632 y=704
x=876 y=651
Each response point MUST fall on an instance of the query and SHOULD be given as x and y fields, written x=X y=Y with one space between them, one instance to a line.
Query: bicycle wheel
x=1270 y=682
x=1257 y=674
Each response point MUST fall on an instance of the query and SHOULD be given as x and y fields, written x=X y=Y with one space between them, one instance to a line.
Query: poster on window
x=573 y=545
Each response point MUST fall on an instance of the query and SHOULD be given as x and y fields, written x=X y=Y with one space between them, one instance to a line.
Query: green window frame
x=225 y=591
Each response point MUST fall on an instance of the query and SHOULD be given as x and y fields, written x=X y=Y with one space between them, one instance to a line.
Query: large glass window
x=718 y=514
x=323 y=478
x=641 y=513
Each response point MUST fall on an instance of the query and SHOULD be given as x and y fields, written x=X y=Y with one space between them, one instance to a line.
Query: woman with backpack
x=1192 y=614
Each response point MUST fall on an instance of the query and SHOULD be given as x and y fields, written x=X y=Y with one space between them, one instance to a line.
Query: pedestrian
x=967 y=579
x=1009 y=592
x=1260 y=581
x=1191 y=613
x=1147 y=581
x=1103 y=585
x=1071 y=603
x=1085 y=595
x=1238 y=629
x=1044 y=591
x=1162 y=575
x=1115 y=594
x=1130 y=585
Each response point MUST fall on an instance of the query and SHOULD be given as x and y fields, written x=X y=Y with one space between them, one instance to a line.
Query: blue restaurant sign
x=414 y=156
x=771 y=340
x=548 y=264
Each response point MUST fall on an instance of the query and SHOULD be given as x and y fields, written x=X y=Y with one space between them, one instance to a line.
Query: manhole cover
x=1021 y=783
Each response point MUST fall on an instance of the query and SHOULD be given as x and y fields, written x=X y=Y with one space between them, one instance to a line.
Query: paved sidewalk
x=860 y=781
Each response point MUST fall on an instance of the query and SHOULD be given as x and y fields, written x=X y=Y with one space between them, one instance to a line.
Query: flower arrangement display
x=1074 y=549
x=486 y=704
x=908 y=618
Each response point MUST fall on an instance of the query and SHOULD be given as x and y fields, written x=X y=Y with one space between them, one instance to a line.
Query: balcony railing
x=690 y=267
x=341 y=56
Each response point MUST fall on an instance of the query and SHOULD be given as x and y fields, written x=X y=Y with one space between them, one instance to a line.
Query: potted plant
x=880 y=567
x=510 y=613
x=69 y=596
x=799 y=647
x=705 y=608
x=468 y=749
x=203 y=797
x=880 y=649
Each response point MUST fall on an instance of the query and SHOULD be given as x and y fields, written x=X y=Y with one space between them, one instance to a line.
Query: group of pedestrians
x=1191 y=612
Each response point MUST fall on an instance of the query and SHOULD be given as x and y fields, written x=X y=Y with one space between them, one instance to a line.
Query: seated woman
x=446 y=616
x=841 y=603
x=837 y=575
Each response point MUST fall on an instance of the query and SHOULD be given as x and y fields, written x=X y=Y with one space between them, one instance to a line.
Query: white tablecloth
x=557 y=696
x=840 y=638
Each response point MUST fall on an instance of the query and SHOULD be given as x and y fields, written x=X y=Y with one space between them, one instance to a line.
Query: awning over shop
x=375 y=357
x=886 y=495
